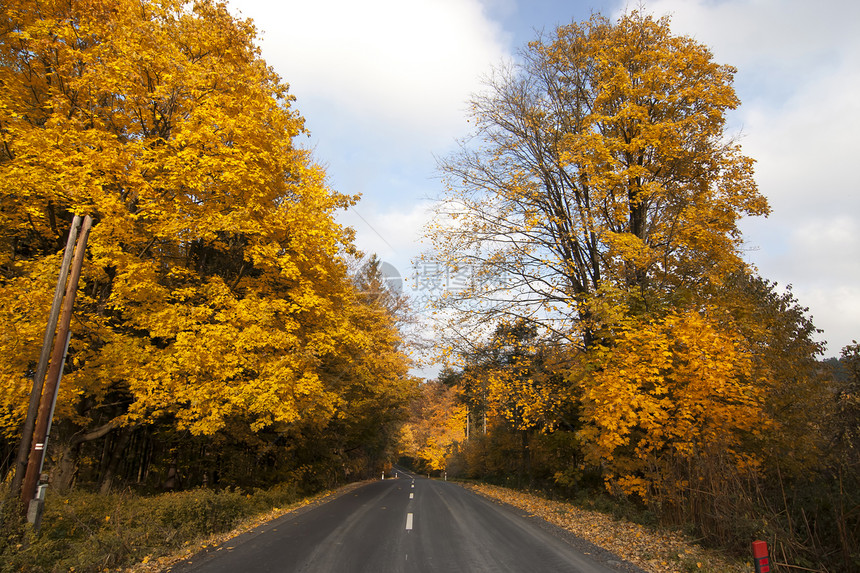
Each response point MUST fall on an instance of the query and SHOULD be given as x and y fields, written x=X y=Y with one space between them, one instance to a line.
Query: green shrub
x=92 y=532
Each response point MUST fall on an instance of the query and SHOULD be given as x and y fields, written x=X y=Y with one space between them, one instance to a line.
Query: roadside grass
x=88 y=532
x=618 y=527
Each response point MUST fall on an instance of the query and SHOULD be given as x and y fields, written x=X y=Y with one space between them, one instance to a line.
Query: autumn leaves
x=217 y=292
x=602 y=179
x=218 y=299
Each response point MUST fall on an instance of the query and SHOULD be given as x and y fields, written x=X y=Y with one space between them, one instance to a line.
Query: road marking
x=411 y=496
x=413 y=486
x=408 y=521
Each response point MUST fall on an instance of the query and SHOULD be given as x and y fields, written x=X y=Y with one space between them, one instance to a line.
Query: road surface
x=400 y=525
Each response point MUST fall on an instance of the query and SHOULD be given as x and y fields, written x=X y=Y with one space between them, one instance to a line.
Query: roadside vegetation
x=628 y=532
x=808 y=514
x=611 y=337
x=89 y=532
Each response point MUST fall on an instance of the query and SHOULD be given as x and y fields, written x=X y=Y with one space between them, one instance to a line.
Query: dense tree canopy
x=216 y=286
x=436 y=424
x=599 y=178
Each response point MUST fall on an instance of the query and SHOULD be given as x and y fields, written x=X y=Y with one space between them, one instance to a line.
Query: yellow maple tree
x=669 y=391
x=600 y=181
x=436 y=426
x=215 y=284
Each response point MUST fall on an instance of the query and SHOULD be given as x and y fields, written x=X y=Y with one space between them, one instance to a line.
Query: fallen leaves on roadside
x=655 y=551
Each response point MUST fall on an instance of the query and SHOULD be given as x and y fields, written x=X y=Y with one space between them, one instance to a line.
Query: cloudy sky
x=383 y=85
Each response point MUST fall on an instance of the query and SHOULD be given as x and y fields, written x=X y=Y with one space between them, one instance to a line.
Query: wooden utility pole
x=39 y=379
x=46 y=404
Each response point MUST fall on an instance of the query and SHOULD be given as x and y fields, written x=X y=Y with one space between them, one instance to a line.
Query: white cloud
x=806 y=149
x=405 y=68
x=820 y=235
x=836 y=310
x=394 y=235
x=798 y=79
x=769 y=36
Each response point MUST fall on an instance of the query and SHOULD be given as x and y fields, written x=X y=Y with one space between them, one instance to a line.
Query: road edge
x=205 y=548
x=595 y=552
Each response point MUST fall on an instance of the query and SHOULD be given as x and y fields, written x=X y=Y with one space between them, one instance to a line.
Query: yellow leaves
x=214 y=284
x=523 y=401
x=437 y=424
x=628 y=249
x=671 y=387
x=598 y=168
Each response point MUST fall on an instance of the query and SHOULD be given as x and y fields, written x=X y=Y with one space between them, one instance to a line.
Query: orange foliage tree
x=437 y=423
x=599 y=181
x=215 y=286
x=668 y=392
x=598 y=202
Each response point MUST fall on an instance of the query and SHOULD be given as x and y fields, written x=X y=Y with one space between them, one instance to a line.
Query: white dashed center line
x=408 y=521
x=411 y=496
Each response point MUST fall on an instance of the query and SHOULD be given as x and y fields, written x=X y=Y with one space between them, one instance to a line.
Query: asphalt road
x=404 y=525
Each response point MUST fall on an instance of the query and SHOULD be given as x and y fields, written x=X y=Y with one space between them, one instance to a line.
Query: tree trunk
x=172 y=477
x=526 y=458
x=115 y=458
x=64 y=474
x=67 y=467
